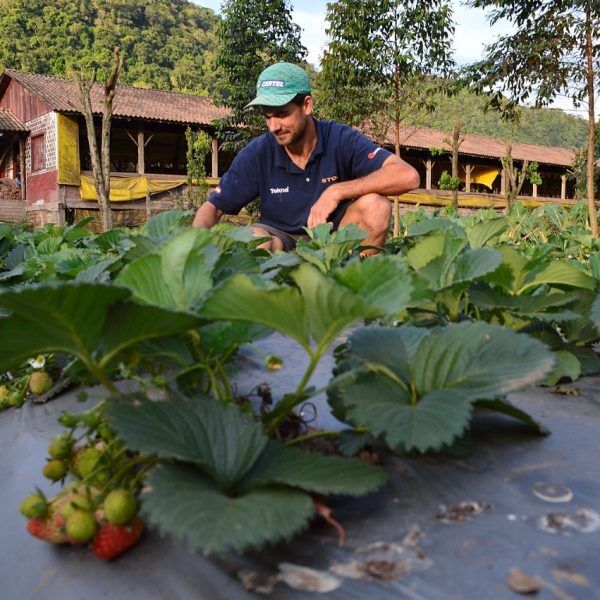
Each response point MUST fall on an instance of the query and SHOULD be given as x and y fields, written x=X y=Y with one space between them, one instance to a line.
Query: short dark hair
x=298 y=99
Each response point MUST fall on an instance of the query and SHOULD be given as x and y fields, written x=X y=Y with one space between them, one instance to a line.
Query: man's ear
x=308 y=105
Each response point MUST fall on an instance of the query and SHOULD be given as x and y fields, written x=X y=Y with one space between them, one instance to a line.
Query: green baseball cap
x=279 y=84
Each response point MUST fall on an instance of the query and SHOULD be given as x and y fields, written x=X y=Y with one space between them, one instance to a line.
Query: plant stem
x=312 y=436
x=285 y=406
x=101 y=376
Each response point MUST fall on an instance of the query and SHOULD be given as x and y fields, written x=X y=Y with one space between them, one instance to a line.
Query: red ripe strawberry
x=46 y=529
x=112 y=540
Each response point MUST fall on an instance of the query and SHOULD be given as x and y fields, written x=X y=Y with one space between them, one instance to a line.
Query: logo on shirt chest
x=329 y=179
x=282 y=190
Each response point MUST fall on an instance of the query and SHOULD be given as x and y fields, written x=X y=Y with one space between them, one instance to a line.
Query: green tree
x=381 y=58
x=253 y=34
x=198 y=148
x=166 y=42
x=553 y=51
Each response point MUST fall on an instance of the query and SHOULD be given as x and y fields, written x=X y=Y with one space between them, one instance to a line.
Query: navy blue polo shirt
x=263 y=169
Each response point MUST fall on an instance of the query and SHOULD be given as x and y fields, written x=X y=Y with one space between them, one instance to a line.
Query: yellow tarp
x=482 y=175
x=466 y=201
x=123 y=189
x=68 y=150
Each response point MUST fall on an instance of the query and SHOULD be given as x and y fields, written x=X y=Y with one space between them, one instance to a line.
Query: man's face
x=287 y=123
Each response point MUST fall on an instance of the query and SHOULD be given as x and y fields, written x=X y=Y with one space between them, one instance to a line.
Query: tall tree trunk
x=396 y=215
x=591 y=148
x=455 y=145
x=100 y=157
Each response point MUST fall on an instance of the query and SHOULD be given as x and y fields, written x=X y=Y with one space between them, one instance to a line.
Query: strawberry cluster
x=99 y=505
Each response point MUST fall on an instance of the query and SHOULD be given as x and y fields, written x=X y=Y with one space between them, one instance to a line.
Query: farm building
x=44 y=156
x=45 y=169
x=480 y=168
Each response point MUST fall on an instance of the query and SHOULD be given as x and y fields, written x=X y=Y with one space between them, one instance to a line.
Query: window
x=38 y=153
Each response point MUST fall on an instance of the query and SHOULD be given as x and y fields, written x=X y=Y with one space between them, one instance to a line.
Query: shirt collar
x=283 y=161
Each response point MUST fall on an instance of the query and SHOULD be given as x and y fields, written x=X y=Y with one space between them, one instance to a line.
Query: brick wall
x=45 y=124
x=11 y=210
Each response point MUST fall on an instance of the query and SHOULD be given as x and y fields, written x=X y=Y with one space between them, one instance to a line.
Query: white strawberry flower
x=38 y=362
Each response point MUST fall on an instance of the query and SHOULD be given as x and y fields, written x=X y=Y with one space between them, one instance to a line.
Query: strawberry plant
x=315 y=312
x=417 y=387
x=221 y=483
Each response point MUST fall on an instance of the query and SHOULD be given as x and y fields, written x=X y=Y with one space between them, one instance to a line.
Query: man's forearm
x=390 y=180
x=207 y=216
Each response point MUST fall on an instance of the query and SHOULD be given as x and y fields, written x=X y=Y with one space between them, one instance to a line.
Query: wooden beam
x=215 y=158
x=22 y=167
x=563 y=187
x=428 y=170
x=4 y=154
x=468 y=170
x=141 y=146
x=535 y=190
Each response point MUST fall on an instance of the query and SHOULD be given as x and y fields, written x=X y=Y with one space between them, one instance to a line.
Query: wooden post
x=563 y=187
x=148 y=208
x=396 y=216
x=141 y=146
x=22 y=168
x=535 y=190
x=503 y=182
x=468 y=169
x=429 y=168
x=215 y=158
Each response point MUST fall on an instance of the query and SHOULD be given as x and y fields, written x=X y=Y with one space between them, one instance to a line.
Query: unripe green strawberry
x=105 y=432
x=88 y=461
x=120 y=506
x=75 y=502
x=34 y=507
x=80 y=526
x=60 y=446
x=40 y=382
x=100 y=478
x=75 y=460
x=16 y=399
x=91 y=419
x=55 y=470
x=68 y=420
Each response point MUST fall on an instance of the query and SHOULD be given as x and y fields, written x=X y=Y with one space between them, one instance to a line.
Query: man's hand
x=328 y=201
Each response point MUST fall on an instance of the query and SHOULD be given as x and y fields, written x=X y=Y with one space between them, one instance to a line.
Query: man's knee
x=374 y=210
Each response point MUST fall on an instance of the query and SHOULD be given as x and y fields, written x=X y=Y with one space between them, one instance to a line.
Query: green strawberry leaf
x=187 y=504
x=314 y=472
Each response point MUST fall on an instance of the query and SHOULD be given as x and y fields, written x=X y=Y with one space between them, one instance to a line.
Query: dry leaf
x=566 y=575
x=306 y=579
x=563 y=390
x=520 y=582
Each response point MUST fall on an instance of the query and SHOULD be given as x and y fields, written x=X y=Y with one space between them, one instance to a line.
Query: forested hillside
x=168 y=44
x=537 y=126
x=171 y=45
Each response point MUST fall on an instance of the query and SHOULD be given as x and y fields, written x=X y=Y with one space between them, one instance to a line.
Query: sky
x=472 y=29
x=473 y=32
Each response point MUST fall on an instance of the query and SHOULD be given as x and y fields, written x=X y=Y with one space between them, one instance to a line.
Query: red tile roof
x=479 y=145
x=61 y=96
x=8 y=122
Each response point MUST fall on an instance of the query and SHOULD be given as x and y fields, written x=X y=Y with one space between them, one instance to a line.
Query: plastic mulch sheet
x=442 y=528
